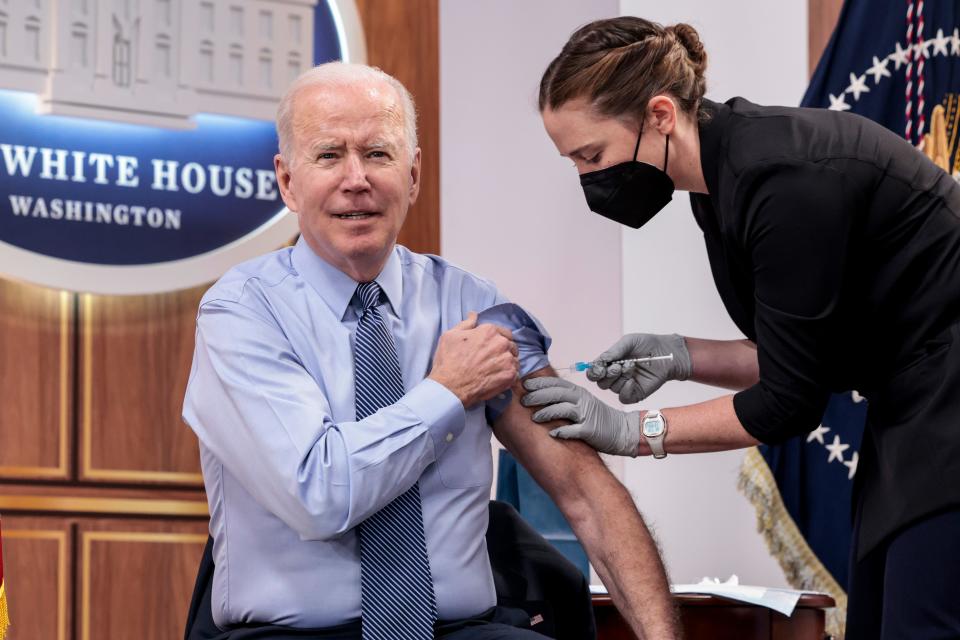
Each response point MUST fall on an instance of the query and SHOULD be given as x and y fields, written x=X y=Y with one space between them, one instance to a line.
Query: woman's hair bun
x=690 y=39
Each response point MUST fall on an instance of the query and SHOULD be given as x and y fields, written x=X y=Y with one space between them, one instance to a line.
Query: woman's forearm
x=730 y=364
x=703 y=427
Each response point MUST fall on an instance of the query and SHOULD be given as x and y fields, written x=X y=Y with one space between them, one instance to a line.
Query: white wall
x=757 y=49
x=512 y=210
x=511 y=207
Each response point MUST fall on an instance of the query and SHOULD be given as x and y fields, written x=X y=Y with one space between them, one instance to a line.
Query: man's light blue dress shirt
x=290 y=472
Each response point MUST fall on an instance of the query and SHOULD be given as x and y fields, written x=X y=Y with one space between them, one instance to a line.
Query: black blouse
x=835 y=246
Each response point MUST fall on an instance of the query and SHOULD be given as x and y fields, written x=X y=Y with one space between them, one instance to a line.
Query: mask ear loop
x=666 y=154
x=637 y=148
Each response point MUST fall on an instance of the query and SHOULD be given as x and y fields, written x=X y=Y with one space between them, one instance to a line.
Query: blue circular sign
x=137 y=151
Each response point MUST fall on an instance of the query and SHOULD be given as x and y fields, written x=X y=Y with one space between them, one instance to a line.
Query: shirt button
x=449 y=437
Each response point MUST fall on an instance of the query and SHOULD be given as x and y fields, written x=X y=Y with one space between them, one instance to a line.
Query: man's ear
x=415 y=176
x=662 y=113
x=284 y=179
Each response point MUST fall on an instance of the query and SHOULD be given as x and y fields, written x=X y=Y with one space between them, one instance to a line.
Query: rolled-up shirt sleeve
x=531 y=338
x=253 y=404
x=797 y=234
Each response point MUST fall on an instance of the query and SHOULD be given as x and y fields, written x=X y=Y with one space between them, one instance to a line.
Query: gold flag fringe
x=4 y=615
x=802 y=568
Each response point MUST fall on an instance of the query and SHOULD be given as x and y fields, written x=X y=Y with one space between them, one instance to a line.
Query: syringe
x=583 y=366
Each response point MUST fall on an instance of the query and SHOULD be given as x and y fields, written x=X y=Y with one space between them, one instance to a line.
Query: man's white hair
x=341 y=74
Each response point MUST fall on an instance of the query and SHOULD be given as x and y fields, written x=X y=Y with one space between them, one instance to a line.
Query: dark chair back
x=530 y=574
x=200 y=624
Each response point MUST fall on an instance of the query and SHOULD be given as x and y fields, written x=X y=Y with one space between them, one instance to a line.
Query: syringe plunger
x=583 y=366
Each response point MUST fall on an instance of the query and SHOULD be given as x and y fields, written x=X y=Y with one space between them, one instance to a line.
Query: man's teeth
x=353 y=216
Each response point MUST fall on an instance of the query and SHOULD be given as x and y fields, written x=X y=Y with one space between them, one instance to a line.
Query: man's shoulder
x=446 y=274
x=262 y=272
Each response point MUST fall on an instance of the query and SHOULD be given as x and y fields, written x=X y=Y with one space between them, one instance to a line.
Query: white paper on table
x=781 y=600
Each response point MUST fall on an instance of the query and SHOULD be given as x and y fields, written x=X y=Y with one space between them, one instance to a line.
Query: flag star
x=922 y=49
x=879 y=69
x=852 y=465
x=900 y=56
x=955 y=42
x=858 y=85
x=836 y=449
x=817 y=434
x=940 y=43
x=838 y=103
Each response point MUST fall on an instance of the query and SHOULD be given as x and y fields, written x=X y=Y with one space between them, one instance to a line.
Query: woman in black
x=835 y=246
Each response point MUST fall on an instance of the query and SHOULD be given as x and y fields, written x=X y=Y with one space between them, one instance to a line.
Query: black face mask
x=631 y=192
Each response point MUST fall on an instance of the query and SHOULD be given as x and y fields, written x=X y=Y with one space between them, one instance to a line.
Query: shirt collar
x=337 y=288
x=711 y=139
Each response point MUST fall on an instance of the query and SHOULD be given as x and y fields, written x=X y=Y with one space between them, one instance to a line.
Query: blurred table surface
x=717 y=618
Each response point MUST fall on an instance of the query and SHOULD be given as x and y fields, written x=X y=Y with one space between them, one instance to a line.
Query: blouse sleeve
x=796 y=227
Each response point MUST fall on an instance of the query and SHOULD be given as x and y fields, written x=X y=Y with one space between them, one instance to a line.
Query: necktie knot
x=368 y=293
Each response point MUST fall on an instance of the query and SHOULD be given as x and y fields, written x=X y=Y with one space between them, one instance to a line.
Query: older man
x=340 y=393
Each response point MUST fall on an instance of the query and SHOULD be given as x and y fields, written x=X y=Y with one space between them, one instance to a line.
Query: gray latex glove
x=601 y=426
x=636 y=381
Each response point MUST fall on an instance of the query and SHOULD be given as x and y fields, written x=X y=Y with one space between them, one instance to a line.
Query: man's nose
x=355 y=174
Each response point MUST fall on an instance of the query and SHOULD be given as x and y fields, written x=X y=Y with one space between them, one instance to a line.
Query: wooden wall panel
x=135 y=578
x=822 y=18
x=36 y=381
x=135 y=355
x=36 y=572
x=403 y=39
x=98 y=500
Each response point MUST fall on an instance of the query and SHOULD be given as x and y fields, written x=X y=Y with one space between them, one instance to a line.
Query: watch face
x=653 y=427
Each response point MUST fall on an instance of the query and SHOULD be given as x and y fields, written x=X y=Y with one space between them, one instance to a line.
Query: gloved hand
x=635 y=381
x=601 y=426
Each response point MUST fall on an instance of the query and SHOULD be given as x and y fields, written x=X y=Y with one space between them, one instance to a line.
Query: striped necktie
x=397 y=599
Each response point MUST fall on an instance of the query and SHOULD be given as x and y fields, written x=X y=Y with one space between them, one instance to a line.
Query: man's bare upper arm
x=563 y=468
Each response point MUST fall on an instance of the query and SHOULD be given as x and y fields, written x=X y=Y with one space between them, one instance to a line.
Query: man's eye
x=327 y=155
x=378 y=154
x=594 y=160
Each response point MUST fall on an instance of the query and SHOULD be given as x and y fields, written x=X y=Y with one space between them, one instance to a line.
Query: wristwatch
x=654 y=429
